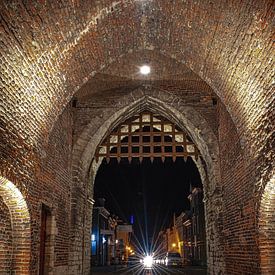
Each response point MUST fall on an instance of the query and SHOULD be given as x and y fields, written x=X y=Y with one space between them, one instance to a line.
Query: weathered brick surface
x=238 y=213
x=17 y=246
x=54 y=179
x=267 y=229
x=198 y=51
x=5 y=237
x=48 y=181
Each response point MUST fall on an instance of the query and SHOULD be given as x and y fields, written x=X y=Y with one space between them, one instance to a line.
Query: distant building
x=123 y=237
x=173 y=238
x=180 y=228
x=187 y=237
x=103 y=235
x=110 y=239
x=162 y=243
x=197 y=217
x=169 y=240
x=187 y=234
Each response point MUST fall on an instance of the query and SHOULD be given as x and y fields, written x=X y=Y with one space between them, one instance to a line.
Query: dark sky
x=151 y=192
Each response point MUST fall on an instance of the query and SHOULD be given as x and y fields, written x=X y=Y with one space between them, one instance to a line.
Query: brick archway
x=50 y=49
x=20 y=246
x=168 y=105
x=84 y=169
x=267 y=228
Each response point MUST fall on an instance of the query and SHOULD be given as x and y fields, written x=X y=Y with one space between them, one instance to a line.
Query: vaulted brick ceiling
x=124 y=75
x=49 y=49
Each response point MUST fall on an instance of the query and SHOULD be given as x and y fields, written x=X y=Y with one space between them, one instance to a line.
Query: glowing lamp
x=145 y=69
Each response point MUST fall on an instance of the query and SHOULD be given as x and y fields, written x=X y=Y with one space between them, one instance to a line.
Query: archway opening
x=153 y=194
x=86 y=166
x=15 y=237
x=267 y=229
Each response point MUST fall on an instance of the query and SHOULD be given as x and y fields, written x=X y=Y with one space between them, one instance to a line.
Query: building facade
x=103 y=234
x=187 y=234
x=110 y=238
x=123 y=242
x=198 y=237
x=180 y=228
x=187 y=237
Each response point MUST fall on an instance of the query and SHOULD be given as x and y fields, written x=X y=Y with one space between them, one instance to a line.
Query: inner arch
x=84 y=168
x=184 y=116
x=20 y=223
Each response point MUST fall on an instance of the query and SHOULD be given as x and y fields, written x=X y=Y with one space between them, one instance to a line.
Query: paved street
x=157 y=271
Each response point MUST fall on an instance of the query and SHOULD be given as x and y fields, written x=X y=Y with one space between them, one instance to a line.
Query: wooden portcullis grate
x=147 y=135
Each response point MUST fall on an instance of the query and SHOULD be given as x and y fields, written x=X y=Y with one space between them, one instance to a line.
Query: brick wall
x=201 y=49
x=54 y=180
x=43 y=176
x=238 y=215
x=5 y=238
x=267 y=229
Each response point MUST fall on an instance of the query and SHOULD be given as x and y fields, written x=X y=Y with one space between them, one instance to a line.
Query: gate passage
x=147 y=135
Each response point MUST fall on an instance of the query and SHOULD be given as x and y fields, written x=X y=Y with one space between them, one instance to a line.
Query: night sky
x=151 y=192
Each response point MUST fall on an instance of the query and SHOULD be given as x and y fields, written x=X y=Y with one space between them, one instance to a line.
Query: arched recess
x=20 y=238
x=187 y=118
x=267 y=229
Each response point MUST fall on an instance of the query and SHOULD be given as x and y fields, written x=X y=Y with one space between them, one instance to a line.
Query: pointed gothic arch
x=85 y=168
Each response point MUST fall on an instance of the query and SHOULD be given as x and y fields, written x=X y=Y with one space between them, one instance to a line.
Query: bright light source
x=173 y=245
x=116 y=241
x=93 y=237
x=103 y=240
x=145 y=69
x=148 y=261
x=166 y=261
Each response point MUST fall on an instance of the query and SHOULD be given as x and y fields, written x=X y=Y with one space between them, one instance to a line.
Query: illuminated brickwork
x=5 y=237
x=267 y=229
x=69 y=73
x=15 y=230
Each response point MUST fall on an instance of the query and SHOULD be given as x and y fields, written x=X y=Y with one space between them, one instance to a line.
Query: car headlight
x=148 y=261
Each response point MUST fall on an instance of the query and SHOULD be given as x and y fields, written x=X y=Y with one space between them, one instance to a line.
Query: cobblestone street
x=158 y=271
